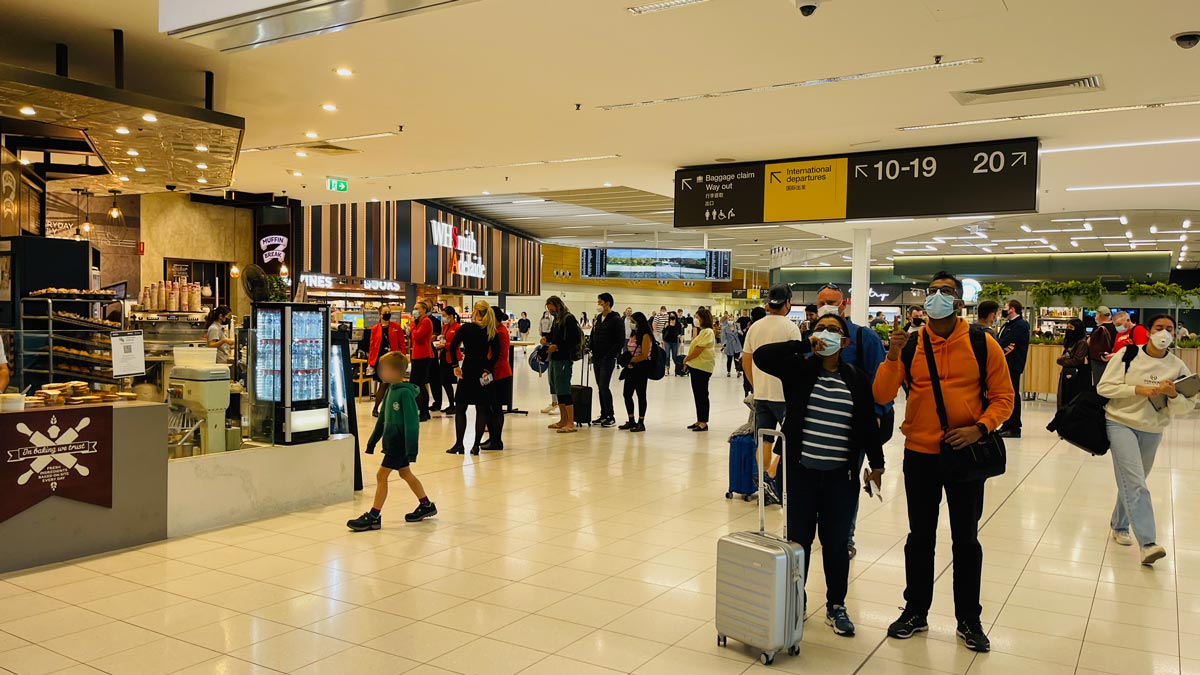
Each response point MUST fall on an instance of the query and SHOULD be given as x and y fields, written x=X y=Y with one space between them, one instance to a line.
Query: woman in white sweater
x=1142 y=400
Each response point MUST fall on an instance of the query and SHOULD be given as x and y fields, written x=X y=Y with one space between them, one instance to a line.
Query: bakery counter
x=81 y=480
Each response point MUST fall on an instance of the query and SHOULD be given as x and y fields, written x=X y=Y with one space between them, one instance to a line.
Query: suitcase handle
x=763 y=434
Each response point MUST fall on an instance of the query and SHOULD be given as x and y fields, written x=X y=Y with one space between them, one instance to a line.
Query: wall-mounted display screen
x=650 y=263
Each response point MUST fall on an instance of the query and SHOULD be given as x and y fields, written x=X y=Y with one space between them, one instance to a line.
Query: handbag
x=983 y=459
x=1082 y=423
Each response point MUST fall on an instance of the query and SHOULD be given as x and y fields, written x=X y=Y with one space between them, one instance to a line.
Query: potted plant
x=998 y=291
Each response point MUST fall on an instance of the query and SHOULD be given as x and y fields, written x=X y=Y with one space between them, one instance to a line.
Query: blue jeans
x=672 y=352
x=1133 y=456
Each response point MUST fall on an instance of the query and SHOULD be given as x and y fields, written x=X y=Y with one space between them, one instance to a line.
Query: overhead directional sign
x=945 y=180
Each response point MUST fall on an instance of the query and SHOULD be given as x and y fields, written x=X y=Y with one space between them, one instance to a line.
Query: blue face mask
x=939 y=306
x=832 y=340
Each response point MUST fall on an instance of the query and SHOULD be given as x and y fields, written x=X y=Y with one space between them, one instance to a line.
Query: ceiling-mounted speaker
x=258 y=23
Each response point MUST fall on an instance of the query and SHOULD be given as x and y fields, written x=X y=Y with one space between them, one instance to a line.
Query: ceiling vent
x=329 y=149
x=1024 y=92
x=257 y=23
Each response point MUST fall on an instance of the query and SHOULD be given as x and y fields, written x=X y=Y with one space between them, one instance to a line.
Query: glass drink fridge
x=291 y=361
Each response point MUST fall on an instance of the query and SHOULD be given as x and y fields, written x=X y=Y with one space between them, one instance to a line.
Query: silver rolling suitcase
x=760 y=585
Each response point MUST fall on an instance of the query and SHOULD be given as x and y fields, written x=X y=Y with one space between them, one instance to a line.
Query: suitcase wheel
x=766 y=659
x=721 y=640
x=747 y=498
x=794 y=650
x=728 y=495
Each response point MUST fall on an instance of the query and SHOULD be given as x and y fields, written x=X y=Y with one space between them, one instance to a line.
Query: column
x=860 y=276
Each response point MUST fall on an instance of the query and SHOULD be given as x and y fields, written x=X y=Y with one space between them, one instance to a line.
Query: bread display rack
x=58 y=343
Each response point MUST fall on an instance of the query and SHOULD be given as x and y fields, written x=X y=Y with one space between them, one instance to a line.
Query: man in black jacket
x=607 y=340
x=1014 y=338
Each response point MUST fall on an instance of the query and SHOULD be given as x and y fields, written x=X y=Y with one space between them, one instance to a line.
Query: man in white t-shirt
x=769 y=402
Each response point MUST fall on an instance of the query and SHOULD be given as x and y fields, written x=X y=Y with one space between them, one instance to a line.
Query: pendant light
x=114 y=213
x=86 y=227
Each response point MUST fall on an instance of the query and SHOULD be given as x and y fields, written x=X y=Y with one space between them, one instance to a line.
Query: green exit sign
x=336 y=185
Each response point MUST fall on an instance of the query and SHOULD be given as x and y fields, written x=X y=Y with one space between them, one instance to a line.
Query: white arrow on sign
x=687 y=183
x=1020 y=157
x=861 y=170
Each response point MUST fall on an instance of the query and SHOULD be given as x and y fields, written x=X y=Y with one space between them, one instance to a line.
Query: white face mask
x=1122 y=329
x=1162 y=339
x=826 y=310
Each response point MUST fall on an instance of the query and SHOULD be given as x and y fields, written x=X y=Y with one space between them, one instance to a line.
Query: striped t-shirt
x=826 y=436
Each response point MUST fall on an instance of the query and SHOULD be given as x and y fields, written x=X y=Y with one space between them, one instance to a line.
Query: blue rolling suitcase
x=743 y=466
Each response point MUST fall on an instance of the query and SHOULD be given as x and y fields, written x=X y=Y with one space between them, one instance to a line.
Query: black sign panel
x=997 y=177
x=719 y=195
x=971 y=178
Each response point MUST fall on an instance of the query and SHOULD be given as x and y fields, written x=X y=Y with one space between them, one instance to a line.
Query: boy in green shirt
x=399 y=427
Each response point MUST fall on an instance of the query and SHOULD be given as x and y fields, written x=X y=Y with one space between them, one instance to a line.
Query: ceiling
x=507 y=97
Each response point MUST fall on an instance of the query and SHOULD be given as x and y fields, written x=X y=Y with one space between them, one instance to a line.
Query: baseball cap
x=1103 y=311
x=779 y=295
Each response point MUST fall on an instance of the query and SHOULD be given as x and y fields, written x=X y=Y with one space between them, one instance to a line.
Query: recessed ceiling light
x=140 y=169
x=1124 y=220
x=1074 y=243
x=201 y=148
x=608 y=185
x=1187 y=224
x=149 y=117
x=530 y=201
x=24 y=162
x=1153 y=229
x=122 y=130
x=343 y=72
x=297 y=174
x=202 y=179
x=310 y=134
x=124 y=179
x=202 y=166
x=1128 y=234
x=329 y=107
x=1137 y=186
x=301 y=153
x=1179 y=267
x=374 y=199
x=1040 y=116
x=132 y=153
x=661 y=6
x=486 y=192
x=28 y=110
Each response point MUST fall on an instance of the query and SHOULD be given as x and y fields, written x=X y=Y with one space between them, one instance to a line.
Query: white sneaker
x=1122 y=537
x=1152 y=554
x=551 y=409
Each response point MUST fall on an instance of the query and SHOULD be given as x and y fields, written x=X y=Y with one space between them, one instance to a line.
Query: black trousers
x=700 y=380
x=604 y=371
x=824 y=502
x=1014 y=420
x=448 y=381
x=636 y=381
x=422 y=375
x=435 y=385
x=924 y=486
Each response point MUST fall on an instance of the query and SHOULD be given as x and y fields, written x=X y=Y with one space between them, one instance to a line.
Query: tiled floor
x=593 y=553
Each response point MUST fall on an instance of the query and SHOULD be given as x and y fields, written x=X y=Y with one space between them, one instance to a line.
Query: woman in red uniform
x=448 y=360
x=423 y=358
x=379 y=347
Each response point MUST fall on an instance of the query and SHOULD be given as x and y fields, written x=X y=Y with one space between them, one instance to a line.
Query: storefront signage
x=274 y=247
x=466 y=261
x=946 y=180
x=65 y=452
x=328 y=282
x=336 y=185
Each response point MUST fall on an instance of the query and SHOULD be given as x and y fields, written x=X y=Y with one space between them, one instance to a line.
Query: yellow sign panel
x=810 y=190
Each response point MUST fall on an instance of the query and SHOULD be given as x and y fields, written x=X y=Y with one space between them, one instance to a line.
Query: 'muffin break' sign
x=61 y=452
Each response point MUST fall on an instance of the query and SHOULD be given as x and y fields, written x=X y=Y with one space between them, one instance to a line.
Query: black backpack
x=1082 y=421
x=887 y=419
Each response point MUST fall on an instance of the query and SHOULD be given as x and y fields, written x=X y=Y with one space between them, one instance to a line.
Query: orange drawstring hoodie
x=959 y=375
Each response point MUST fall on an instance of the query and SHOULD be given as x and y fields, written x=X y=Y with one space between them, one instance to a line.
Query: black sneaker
x=365 y=522
x=908 y=625
x=449 y=410
x=608 y=422
x=492 y=446
x=770 y=496
x=628 y=426
x=423 y=511
x=638 y=428
x=1010 y=433
x=973 y=636
x=426 y=417
x=599 y=420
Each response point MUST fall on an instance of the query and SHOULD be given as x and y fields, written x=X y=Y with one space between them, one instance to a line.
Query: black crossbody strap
x=937 y=383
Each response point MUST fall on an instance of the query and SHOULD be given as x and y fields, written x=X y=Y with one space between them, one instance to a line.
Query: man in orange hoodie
x=923 y=482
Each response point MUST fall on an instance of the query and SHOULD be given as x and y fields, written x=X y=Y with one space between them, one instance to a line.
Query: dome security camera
x=1187 y=40
x=807 y=7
